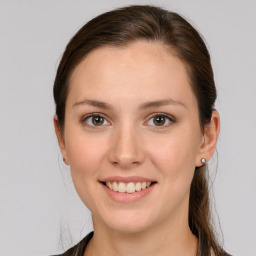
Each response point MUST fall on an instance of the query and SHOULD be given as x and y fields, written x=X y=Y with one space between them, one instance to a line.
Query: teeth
x=109 y=185
x=121 y=187
x=138 y=186
x=130 y=187
x=115 y=186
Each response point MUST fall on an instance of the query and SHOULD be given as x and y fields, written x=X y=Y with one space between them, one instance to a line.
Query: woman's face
x=131 y=119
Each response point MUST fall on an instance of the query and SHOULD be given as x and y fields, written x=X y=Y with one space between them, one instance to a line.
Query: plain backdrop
x=40 y=213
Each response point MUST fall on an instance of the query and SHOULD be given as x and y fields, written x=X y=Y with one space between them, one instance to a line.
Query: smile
x=130 y=187
x=127 y=189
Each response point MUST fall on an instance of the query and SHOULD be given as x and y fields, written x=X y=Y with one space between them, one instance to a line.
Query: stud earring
x=203 y=161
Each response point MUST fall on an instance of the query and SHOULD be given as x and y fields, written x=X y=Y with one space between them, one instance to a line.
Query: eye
x=160 y=120
x=95 y=120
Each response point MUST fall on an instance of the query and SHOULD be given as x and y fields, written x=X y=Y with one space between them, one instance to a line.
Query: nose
x=126 y=150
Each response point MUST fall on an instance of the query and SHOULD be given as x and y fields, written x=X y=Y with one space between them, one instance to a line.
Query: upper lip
x=126 y=179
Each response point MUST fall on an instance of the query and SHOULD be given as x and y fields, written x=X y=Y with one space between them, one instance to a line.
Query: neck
x=174 y=240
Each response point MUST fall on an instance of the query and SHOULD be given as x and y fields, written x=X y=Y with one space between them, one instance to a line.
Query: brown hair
x=125 y=25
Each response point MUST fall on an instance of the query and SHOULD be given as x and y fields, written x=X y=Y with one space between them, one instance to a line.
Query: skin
x=129 y=143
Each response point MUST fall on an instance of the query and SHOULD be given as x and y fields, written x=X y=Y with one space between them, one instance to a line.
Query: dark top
x=79 y=249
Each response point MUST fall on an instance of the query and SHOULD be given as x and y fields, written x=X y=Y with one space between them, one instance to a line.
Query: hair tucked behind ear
x=126 y=25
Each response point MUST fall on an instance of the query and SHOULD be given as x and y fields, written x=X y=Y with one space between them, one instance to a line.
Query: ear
x=209 y=139
x=60 y=139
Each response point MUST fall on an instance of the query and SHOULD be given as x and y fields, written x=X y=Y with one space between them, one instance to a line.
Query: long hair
x=123 y=26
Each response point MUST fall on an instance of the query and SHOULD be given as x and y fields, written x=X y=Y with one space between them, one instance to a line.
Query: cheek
x=174 y=152
x=86 y=157
x=174 y=157
x=85 y=152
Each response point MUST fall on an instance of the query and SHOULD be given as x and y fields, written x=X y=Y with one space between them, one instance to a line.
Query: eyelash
x=166 y=116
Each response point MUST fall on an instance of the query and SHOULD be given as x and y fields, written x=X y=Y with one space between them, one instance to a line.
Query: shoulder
x=78 y=249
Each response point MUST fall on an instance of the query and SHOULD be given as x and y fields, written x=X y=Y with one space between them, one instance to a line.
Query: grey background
x=37 y=198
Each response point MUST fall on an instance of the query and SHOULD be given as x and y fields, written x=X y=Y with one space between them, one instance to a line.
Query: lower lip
x=128 y=197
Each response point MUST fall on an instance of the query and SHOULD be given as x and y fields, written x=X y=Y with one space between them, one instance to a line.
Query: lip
x=127 y=197
x=126 y=179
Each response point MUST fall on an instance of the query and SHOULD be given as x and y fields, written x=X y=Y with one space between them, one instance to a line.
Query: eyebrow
x=143 y=106
x=159 y=103
x=94 y=103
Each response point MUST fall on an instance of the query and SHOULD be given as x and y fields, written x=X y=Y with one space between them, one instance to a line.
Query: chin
x=129 y=223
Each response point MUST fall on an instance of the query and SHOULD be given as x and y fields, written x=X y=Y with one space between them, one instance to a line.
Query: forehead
x=141 y=69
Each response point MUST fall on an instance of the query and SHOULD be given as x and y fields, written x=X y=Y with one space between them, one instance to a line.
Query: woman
x=135 y=121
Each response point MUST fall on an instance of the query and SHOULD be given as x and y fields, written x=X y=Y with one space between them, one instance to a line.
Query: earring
x=203 y=161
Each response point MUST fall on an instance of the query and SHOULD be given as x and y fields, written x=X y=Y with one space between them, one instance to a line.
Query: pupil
x=159 y=120
x=97 y=120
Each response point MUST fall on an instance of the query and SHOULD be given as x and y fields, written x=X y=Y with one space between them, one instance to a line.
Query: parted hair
x=123 y=26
